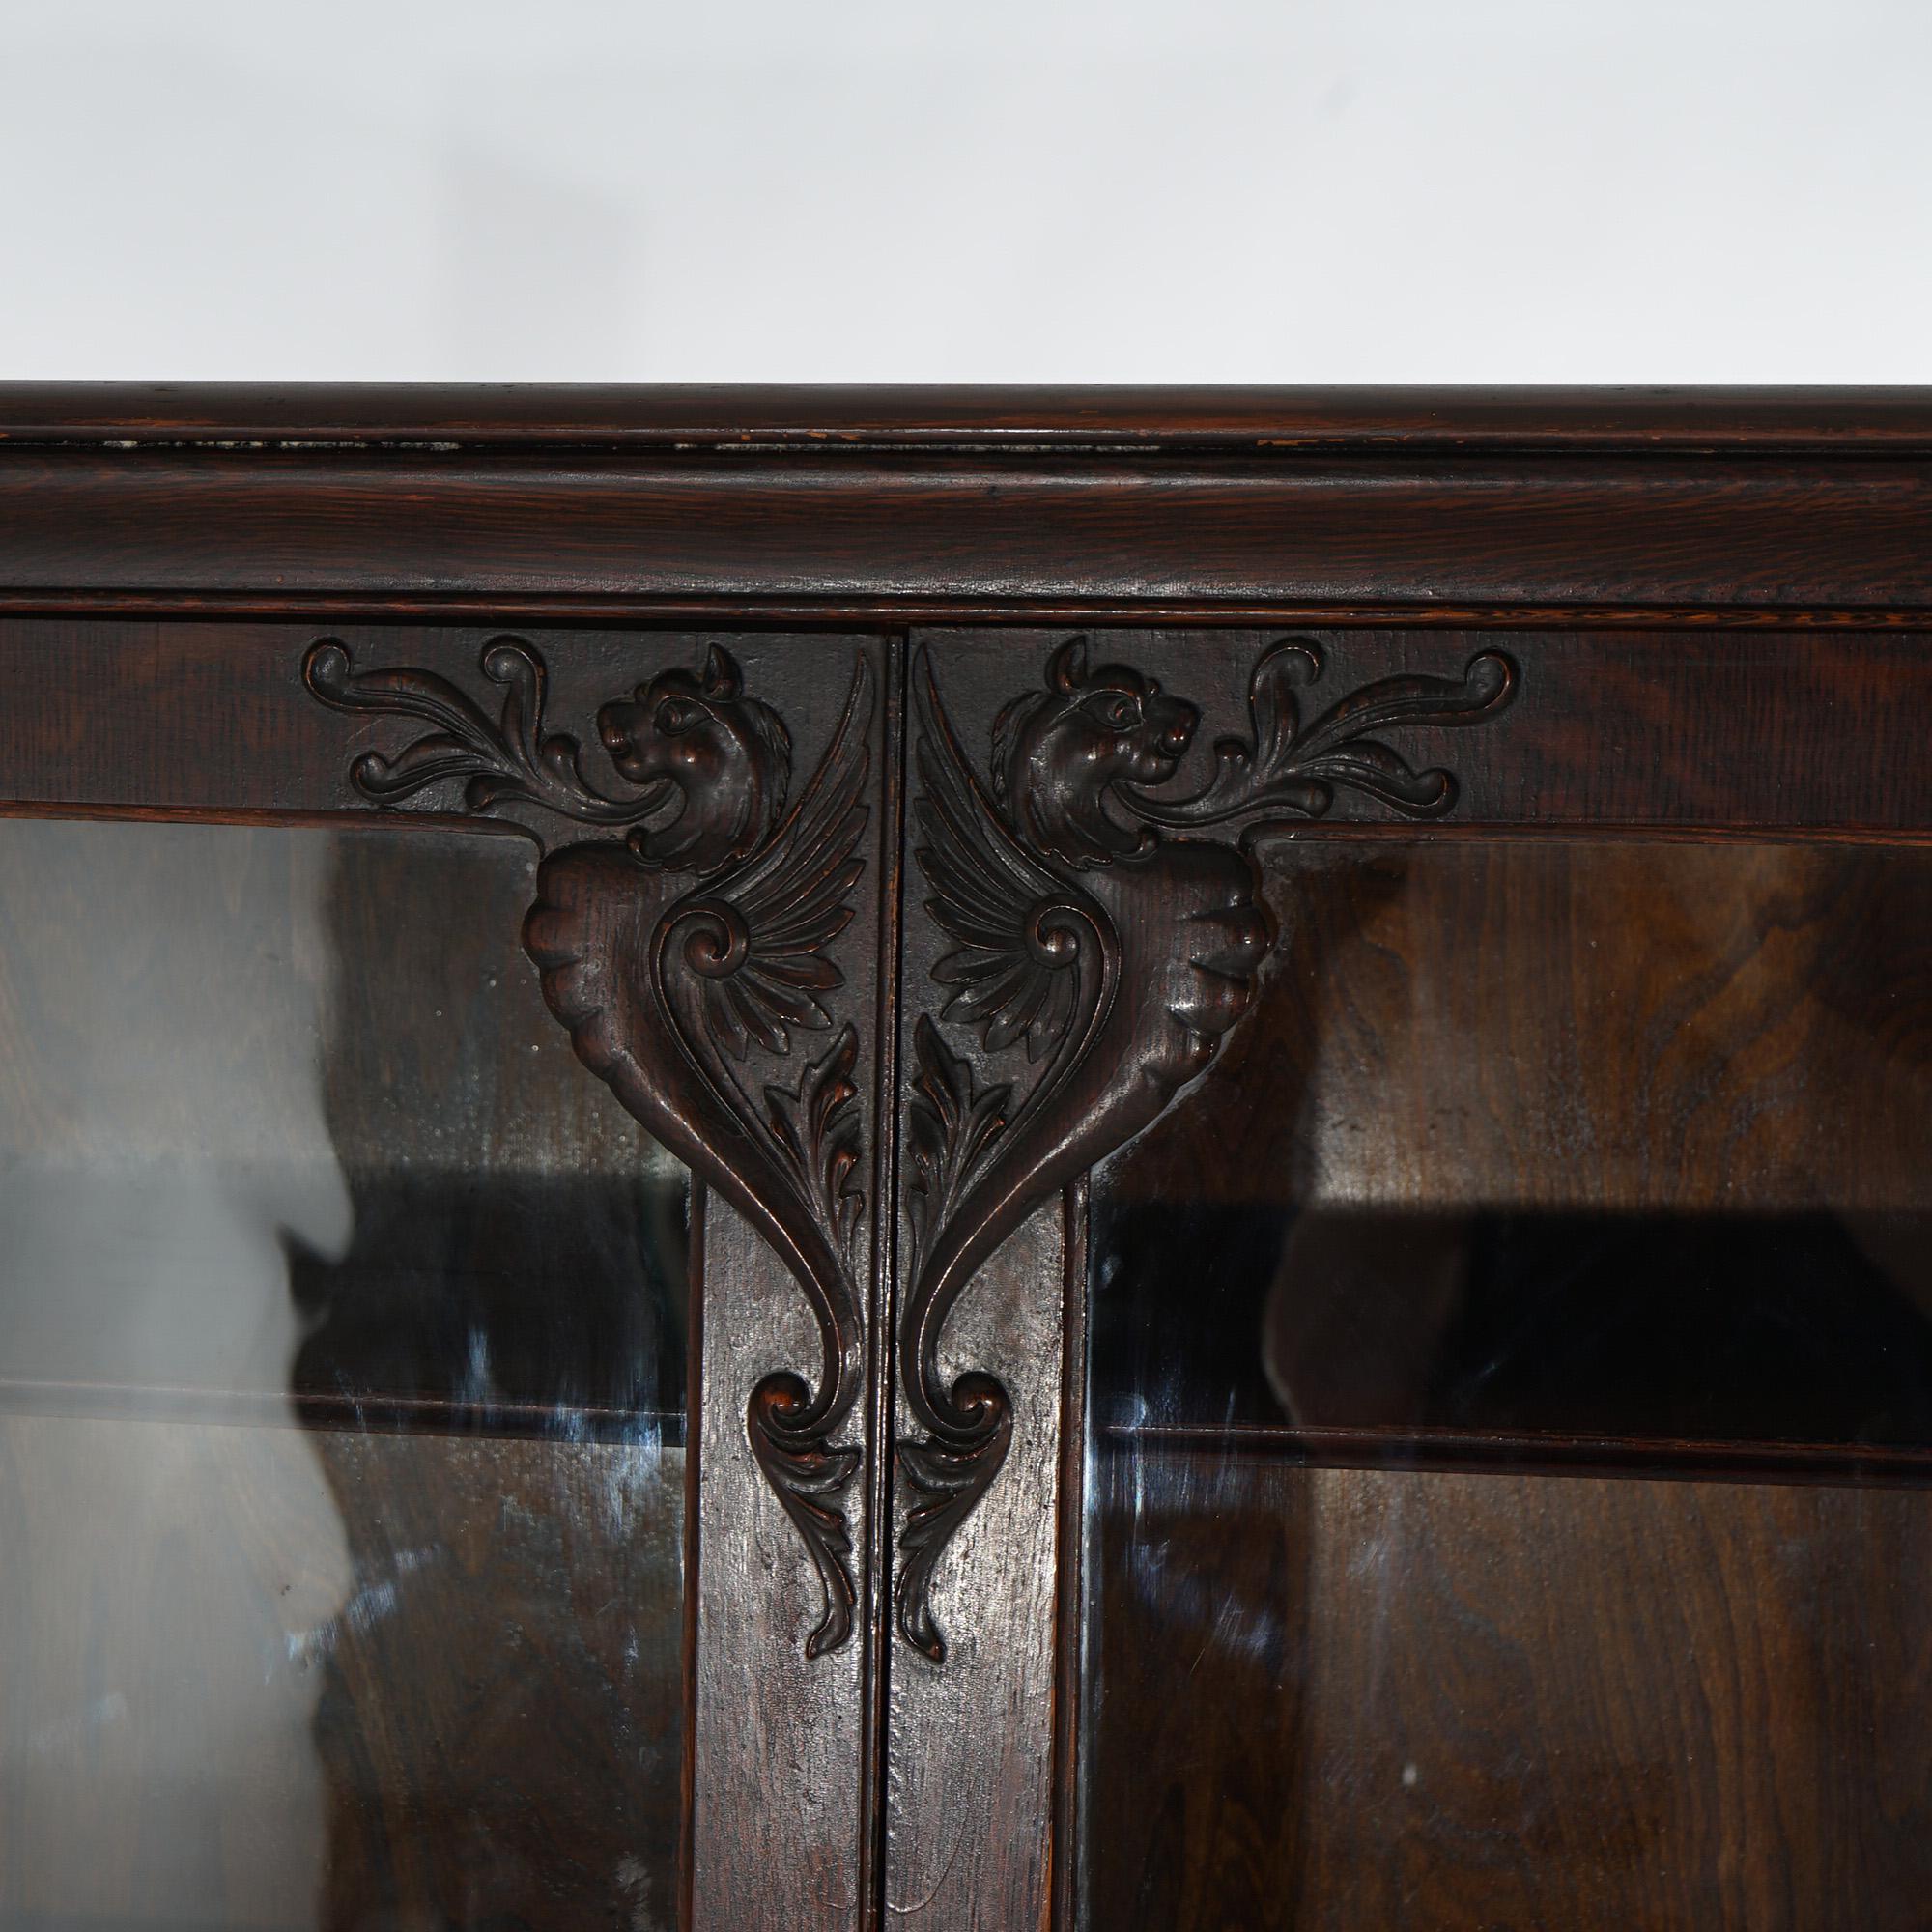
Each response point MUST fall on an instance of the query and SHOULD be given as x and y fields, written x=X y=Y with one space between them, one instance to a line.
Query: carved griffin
x=1088 y=929
x=1088 y=926
x=676 y=955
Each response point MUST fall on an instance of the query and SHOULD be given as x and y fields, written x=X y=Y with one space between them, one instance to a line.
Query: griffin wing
x=793 y=898
x=987 y=891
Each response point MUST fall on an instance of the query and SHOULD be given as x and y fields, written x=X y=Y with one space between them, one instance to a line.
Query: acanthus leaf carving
x=501 y=759
x=818 y=1123
x=952 y=1124
x=676 y=956
x=1286 y=768
x=1086 y=922
x=1283 y=767
x=1090 y=926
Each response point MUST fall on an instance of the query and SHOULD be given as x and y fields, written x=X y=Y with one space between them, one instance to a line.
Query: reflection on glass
x=341 y=1373
x=1609 y=1155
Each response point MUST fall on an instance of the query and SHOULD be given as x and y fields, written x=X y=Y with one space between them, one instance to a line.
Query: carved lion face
x=727 y=755
x=1056 y=753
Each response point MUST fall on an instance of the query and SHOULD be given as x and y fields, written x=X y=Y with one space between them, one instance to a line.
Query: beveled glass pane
x=1535 y=1155
x=341 y=1399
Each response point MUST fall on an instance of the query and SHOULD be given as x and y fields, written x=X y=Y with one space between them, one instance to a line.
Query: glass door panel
x=1509 y=1377
x=341 y=1399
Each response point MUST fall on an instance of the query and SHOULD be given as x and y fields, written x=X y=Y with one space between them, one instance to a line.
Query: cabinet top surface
x=1254 y=420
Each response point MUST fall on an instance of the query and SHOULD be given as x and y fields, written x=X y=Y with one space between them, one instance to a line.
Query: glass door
x=342 y=1371
x=439 y=1175
x=1510 y=1405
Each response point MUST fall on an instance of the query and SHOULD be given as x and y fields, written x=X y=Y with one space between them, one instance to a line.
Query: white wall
x=1312 y=190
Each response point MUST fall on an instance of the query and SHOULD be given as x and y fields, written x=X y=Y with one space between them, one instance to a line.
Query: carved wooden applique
x=1093 y=931
x=1094 y=934
x=672 y=955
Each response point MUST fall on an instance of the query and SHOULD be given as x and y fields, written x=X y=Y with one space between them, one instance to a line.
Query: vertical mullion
x=780 y=1825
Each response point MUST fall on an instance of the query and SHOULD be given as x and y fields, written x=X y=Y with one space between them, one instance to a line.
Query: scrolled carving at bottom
x=809 y=1479
x=817 y=1124
x=948 y=1477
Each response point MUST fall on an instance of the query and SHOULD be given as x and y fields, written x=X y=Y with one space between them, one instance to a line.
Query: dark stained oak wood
x=1711 y=731
x=1651 y=949
x=414 y=525
x=198 y=719
x=470 y=1144
x=1684 y=1090
x=969 y=1839
x=1676 y=728
x=1582 y=1024
x=1702 y=991
x=779 y=1822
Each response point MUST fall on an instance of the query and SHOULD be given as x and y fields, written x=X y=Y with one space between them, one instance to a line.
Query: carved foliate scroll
x=691 y=964
x=1102 y=949
x=1098 y=951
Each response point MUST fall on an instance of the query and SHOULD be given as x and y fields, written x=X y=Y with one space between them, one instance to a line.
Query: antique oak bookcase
x=965 y=1160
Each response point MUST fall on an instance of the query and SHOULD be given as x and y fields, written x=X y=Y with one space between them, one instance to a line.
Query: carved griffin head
x=727 y=757
x=1057 y=753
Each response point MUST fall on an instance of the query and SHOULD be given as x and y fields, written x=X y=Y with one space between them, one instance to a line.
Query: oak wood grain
x=1627 y=1704
x=1848 y=532
x=783 y=1766
x=776 y=1823
x=970 y=1799
x=1688 y=730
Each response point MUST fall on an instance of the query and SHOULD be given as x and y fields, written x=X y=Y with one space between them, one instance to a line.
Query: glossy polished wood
x=1532 y=1154
x=711 y=909
x=1713 y=730
x=1801 y=502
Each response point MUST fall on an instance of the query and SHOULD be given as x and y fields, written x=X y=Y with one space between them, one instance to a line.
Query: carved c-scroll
x=680 y=960
x=1091 y=929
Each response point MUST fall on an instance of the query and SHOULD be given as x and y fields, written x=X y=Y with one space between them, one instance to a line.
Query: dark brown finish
x=1711 y=731
x=1834 y=523
x=1070 y=1612
x=1554 y=1153
x=968 y=1801
x=1708 y=615
x=683 y=958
